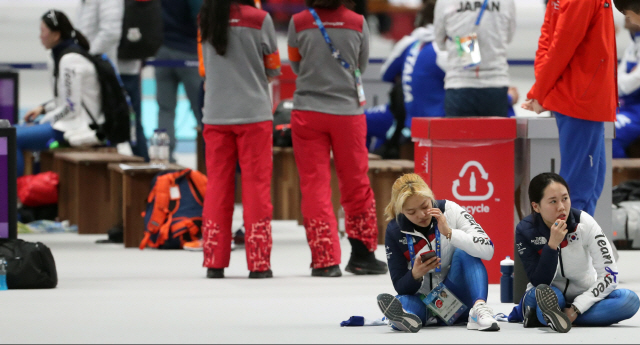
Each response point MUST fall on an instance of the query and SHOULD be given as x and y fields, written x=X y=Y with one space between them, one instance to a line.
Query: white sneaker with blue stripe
x=481 y=318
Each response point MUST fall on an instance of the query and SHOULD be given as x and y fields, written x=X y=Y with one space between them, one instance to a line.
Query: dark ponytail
x=58 y=22
x=214 y=22
x=425 y=16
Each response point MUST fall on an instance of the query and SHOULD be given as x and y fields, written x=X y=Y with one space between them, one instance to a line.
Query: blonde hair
x=406 y=186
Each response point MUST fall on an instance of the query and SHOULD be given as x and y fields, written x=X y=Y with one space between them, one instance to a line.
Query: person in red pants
x=328 y=117
x=240 y=58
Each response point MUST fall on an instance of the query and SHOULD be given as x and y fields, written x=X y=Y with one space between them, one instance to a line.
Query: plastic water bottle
x=3 y=274
x=153 y=147
x=163 y=147
x=506 y=281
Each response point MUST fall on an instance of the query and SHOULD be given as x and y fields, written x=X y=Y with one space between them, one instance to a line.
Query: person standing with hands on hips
x=569 y=262
x=575 y=70
x=328 y=117
x=416 y=221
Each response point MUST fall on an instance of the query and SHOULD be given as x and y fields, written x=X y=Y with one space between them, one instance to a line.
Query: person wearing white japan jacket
x=76 y=90
x=414 y=215
x=569 y=261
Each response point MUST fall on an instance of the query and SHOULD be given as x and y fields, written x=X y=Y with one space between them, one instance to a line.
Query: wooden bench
x=285 y=185
x=129 y=191
x=624 y=169
x=46 y=157
x=84 y=190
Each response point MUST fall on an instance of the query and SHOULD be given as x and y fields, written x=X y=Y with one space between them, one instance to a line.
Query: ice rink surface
x=108 y=294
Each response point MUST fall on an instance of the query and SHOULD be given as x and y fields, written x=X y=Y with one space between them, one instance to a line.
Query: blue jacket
x=539 y=260
x=180 y=24
x=419 y=65
x=466 y=235
x=583 y=267
x=398 y=256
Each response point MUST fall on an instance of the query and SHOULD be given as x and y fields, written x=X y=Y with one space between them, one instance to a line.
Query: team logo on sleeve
x=604 y=250
x=539 y=241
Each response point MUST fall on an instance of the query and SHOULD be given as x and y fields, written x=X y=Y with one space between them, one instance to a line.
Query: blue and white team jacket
x=629 y=75
x=466 y=235
x=421 y=65
x=583 y=267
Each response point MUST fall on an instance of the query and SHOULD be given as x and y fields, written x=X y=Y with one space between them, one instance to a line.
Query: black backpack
x=391 y=148
x=142 y=27
x=29 y=265
x=115 y=104
x=626 y=191
x=282 y=124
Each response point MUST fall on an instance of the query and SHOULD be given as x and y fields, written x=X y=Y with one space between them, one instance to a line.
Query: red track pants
x=252 y=145
x=314 y=136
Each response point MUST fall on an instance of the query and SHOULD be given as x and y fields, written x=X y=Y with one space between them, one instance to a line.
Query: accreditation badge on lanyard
x=444 y=304
x=440 y=301
x=336 y=54
x=361 y=97
x=468 y=46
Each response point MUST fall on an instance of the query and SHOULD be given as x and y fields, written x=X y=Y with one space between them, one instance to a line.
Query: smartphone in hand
x=427 y=255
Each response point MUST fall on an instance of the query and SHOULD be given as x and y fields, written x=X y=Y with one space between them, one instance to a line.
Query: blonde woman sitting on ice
x=415 y=218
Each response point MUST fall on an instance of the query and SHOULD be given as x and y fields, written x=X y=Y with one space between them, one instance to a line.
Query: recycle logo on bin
x=472 y=183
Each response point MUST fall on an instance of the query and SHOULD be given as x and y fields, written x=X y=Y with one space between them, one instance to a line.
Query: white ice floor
x=108 y=294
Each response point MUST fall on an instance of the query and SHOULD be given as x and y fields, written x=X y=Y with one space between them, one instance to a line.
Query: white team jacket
x=496 y=30
x=77 y=84
x=588 y=264
x=101 y=22
x=466 y=235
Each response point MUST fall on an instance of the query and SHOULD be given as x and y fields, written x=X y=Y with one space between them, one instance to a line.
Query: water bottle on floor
x=163 y=147
x=153 y=147
x=506 y=281
x=3 y=274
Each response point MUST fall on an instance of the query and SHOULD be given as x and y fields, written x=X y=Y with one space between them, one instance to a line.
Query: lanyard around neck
x=484 y=7
x=334 y=52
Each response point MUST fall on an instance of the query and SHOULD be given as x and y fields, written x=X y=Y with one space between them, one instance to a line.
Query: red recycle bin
x=470 y=161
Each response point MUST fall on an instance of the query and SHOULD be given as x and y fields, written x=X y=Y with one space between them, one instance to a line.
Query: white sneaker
x=481 y=318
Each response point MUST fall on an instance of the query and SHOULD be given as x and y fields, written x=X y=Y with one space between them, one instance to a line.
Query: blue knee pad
x=414 y=305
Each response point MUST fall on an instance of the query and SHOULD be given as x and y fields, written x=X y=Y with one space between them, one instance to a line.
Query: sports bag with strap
x=174 y=209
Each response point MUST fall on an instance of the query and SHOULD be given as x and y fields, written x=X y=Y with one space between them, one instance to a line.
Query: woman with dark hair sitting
x=77 y=93
x=569 y=263
x=241 y=56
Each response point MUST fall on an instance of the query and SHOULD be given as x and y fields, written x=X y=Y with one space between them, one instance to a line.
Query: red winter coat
x=576 y=61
